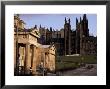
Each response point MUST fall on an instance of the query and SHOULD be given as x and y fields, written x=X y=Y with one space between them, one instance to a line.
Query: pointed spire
x=35 y=27
x=76 y=21
x=84 y=17
x=69 y=20
x=65 y=20
x=80 y=19
x=40 y=25
x=51 y=29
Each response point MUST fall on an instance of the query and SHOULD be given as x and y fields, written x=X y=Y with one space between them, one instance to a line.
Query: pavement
x=82 y=71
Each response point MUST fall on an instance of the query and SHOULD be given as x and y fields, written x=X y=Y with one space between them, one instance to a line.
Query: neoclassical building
x=28 y=52
x=48 y=53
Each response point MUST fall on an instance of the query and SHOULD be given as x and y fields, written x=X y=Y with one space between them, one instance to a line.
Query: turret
x=69 y=21
x=84 y=17
x=80 y=19
x=51 y=29
x=76 y=21
x=40 y=25
x=35 y=27
x=65 y=20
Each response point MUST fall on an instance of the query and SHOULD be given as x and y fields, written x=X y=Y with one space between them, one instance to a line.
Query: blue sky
x=56 y=21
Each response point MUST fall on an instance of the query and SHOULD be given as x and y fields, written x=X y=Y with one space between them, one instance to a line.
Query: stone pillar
x=27 y=59
x=34 y=60
x=14 y=55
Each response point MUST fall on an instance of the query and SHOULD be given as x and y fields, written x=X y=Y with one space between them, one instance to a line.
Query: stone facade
x=28 y=52
x=70 y=41
x=49 y=55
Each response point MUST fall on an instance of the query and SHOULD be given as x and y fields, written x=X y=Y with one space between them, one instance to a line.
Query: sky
x=56 y=21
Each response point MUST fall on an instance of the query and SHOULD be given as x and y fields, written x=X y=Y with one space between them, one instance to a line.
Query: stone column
x=27 y=59
x=34 y=61
x=14 y=55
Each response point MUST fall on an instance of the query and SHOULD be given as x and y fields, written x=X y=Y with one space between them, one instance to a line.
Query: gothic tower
x=67 y=37
x=50 y=34
x=84 y=33
x=77 y=36
x=77 y=40
x=81 y=37
x=85 y=26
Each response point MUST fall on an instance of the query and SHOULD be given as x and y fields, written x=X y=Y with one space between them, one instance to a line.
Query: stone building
x=67 y=37
x=28 y=52
x=48 y=52
x=83 y=40
x=70 y=41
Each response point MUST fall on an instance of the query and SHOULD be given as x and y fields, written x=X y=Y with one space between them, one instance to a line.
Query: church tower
x=81 y=37
x=84 y=34
x=77 y=40
x=85 y=26
x=67 y=37
x=77 y=36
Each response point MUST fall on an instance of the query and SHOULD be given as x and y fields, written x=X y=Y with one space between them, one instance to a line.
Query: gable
x=35 y=32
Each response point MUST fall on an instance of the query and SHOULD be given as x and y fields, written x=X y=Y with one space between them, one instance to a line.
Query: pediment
x=35 y=32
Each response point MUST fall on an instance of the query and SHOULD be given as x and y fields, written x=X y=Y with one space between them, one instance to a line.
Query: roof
x=45 y=46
